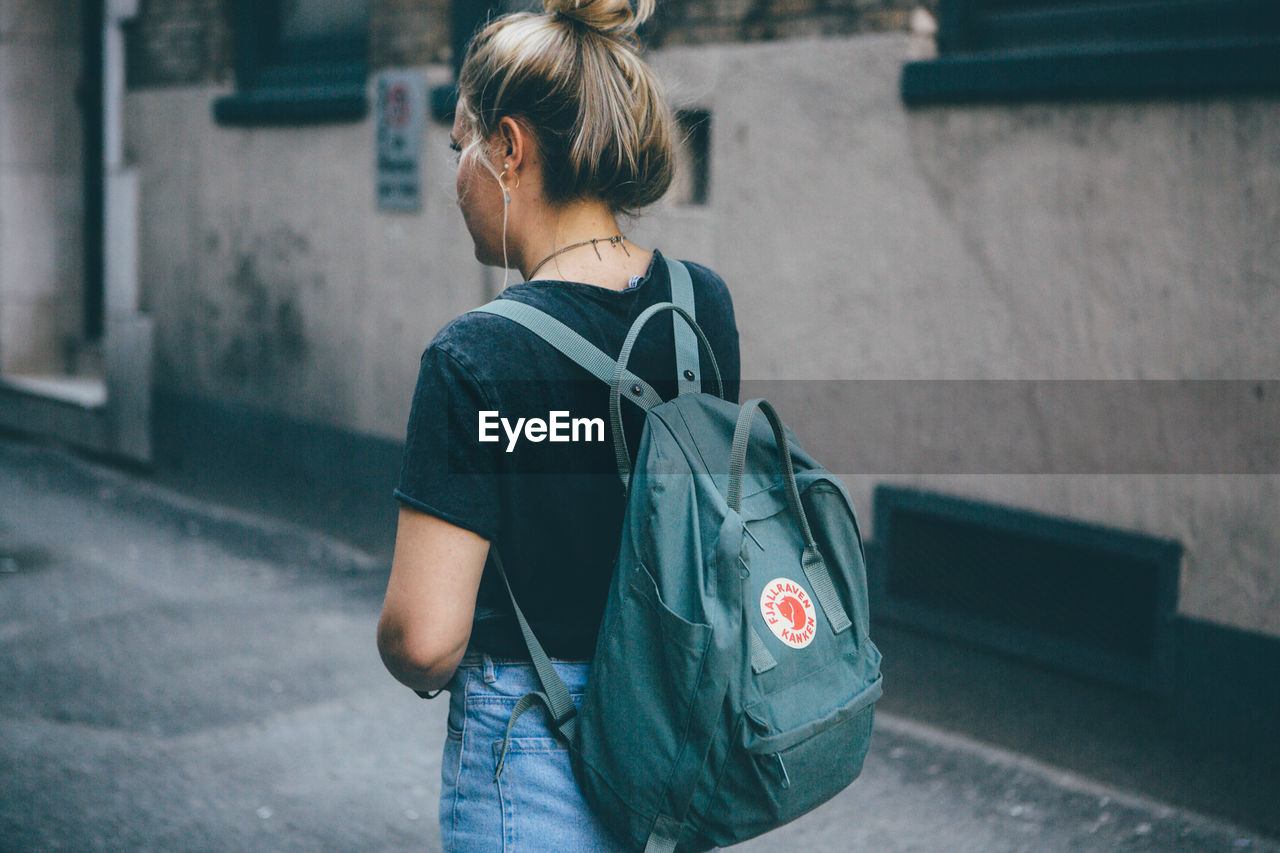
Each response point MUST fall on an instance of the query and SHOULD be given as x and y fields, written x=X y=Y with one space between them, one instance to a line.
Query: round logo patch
x=788 y=611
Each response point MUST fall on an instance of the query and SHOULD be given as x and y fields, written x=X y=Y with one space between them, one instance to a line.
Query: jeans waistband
x=475 y=658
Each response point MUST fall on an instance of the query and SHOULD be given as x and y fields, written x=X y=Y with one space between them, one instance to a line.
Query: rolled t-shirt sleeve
x=446 y=470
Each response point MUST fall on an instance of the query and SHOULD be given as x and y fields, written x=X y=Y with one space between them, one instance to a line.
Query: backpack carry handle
x=687 y=367
x=615 y=389
x=811 y=560
x=738 y=460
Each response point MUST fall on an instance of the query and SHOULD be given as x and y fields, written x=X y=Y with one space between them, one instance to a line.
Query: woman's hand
x=431 y=598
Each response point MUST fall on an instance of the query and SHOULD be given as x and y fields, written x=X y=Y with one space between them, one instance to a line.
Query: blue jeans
x=535 y=805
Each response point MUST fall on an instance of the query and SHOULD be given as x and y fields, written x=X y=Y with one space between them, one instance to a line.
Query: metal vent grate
x=1094 y=600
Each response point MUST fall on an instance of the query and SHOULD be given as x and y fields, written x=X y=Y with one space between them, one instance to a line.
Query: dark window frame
x=273 y=88
x=1016 y=50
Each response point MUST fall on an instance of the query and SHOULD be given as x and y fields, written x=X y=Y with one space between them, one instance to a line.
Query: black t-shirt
x=553 y=508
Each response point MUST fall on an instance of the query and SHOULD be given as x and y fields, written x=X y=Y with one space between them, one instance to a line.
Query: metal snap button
x=688 y=374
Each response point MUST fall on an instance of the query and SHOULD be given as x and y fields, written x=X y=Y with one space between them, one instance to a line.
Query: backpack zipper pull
x=746 y=571
x=786 y=779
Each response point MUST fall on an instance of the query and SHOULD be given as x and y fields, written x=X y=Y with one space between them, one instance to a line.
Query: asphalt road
x=177 y=676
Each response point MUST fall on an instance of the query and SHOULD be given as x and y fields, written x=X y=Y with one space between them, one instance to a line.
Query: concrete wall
x=862 y=241
x=273 y=281
x=1087 y=241
x=41 y=186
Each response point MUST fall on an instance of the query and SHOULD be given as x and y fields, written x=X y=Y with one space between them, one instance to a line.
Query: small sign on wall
x=399 y=115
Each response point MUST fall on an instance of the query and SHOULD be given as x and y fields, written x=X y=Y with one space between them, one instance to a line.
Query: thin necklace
x=615 y=240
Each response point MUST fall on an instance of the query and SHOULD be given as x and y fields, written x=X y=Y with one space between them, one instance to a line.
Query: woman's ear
x=514 y=143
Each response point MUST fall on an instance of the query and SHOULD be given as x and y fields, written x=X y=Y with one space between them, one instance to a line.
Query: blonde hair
x=575 y=78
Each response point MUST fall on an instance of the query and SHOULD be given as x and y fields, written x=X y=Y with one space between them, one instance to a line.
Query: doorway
x=51 y=188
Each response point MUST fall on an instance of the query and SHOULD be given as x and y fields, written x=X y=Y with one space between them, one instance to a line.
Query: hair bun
x=607 y=16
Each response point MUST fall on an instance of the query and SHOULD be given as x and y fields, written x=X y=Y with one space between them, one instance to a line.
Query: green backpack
x=734 y=681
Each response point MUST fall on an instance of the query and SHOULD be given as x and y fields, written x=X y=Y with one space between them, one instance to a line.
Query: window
x=1019 y=49
x=298 y=61
x=692 y=182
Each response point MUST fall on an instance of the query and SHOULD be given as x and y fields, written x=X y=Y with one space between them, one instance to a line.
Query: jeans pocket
x=450 y=770
x=542 y=807
x=455 y=721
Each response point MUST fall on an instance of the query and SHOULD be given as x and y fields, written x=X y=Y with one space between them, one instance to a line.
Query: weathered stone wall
x=179 y=42
x=690 y=22
x=184 y=42
x=409 y=32
x=862 y=240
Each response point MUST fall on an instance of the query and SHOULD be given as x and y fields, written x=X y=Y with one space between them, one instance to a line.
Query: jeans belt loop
x=490 y=672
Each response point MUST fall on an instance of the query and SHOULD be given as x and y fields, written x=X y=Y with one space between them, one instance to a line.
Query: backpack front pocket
x=799 y=765
x=777 y=775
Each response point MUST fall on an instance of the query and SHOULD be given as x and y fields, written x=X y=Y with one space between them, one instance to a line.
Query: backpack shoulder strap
x=554 y=696
x=572 y=345
x=688 y=378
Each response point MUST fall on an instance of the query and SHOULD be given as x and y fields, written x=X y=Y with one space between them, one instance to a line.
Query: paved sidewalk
x=177 y=676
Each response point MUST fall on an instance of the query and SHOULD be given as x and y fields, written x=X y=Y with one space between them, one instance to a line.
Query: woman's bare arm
x=431 y=597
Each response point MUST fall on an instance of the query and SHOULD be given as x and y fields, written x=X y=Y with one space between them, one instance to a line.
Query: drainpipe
x=127 y=345
x=90 y=96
